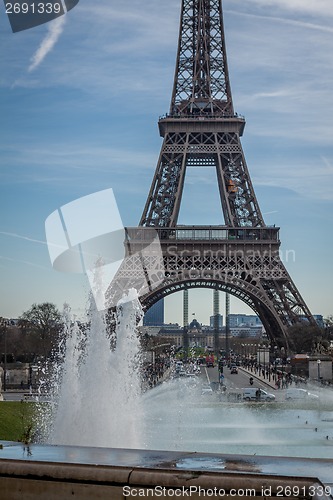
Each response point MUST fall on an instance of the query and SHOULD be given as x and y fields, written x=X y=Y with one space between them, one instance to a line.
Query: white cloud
x=284 y=20
x=313 y=7
x=124 y=58
x=55 y=28
x=311 y=180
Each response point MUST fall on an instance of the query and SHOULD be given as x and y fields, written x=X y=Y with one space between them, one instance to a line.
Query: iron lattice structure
x=202 y=128
x=240 y=257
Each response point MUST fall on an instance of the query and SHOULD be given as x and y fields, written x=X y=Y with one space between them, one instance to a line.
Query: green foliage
x=17 y=421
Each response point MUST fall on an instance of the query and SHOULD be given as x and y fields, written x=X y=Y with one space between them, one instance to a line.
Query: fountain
x=98 y=402
x=95 y=389
x=104 y=436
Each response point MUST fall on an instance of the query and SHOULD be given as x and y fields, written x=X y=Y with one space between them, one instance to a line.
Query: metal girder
x=219 y=149
x=201 y=83
x=185 y=322
x=216 y=313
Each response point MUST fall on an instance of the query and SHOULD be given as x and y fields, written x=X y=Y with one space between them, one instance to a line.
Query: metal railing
x=204 y=233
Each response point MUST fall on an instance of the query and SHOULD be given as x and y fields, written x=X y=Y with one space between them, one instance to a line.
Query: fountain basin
x=61 y=472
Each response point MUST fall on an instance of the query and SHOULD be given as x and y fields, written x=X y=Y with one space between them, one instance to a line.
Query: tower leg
x=185 y=325
x=227 y=325
x=216 y=306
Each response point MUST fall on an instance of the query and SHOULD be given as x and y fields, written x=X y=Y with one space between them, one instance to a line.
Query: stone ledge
x=62 y=472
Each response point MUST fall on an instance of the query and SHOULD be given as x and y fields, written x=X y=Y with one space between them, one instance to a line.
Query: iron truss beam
x=201 y=84
x=220 y=148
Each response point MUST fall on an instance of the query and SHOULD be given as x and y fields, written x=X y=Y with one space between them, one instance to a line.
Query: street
x=238 y=381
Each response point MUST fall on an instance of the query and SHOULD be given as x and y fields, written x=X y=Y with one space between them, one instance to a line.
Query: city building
x=237 y=320
x=219 y=319
x=244 y=331
x=155 y=315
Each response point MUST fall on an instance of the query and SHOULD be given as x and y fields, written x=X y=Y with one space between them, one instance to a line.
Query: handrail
x=195 y=117
x=205 y=233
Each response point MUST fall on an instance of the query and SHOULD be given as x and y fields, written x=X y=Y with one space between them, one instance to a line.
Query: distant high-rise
x=236 y=320
x=219 y=321
x=155 y=315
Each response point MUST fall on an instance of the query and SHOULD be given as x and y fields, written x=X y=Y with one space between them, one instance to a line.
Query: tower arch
x=250 y=297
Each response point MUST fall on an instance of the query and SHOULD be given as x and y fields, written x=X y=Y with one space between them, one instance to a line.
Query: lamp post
x=275 y=367
x=318 y=366
x=283 y=358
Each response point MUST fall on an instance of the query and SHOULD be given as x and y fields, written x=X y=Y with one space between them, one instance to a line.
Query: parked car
x=256 y=394
x=296 y=393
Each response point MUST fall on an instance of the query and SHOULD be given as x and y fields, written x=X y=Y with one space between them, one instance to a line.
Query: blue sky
x=80 y=101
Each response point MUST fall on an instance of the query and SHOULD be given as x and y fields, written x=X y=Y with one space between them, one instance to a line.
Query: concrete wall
x=28 y=480
x=325 y=369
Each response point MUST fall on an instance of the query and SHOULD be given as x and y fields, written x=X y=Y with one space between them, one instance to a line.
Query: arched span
x=271 y=323
x=150 y=299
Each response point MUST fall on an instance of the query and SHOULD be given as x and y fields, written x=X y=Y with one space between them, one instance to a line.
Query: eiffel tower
x=240 y=257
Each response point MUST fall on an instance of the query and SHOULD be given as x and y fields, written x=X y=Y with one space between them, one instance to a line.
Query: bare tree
x=305 y=338
x=44 y=322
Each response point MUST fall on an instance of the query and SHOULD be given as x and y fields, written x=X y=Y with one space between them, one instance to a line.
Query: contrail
x=21 y=237
x=23 y=262
x=33 y=240
x=55 y=28
x=271 y=212
x=294 y=22
x=27 y=238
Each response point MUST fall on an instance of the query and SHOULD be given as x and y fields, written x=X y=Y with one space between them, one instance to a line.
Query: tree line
x=37 y=334
x=33 y=337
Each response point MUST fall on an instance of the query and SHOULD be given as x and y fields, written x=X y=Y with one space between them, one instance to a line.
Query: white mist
x=97 y=389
